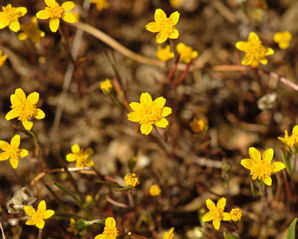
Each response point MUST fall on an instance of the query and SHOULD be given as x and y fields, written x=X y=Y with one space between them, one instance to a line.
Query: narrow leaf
x=291 y=231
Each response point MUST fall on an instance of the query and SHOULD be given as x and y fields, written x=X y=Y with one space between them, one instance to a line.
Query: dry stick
x=68 y=76
x=2 y=231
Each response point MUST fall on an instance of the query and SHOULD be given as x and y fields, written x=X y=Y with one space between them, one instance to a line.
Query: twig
x=2 y=231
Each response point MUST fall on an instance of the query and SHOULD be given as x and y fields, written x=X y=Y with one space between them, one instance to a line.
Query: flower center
x=110 y=232
x=167 y=26
x=14 y=152
x=12 y=14
x=262 y=170
x=217 y=214
x=55 y=12
x=150 y=114
x=25 y=110
x=38 y=216
x=256 y=50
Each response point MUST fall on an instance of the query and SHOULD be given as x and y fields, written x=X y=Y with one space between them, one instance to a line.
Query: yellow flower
x=216 y=213
x=100 y=4
x=283 y=38
x=54 y=11
x=169 y=234
x=81 y=156
x=255 y=52
x=149 y=112
x=261 y=168
x=176 y=3
x=164 y=54
x=12 y=151
x=292 y=140
x=71 y=227
x=131 y=180
x=197 y=126
x=186 y=52
x=106 y=86
x=10 y=17
x=236 y=214
x=89 y=198
x=37 y=217
x=31 y=31
x=164 y=26
x=154 y=190
x=24 y=108
x=110 y=229
x=2 y=58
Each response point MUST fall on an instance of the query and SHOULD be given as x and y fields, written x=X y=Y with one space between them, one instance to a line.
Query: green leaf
x=230 y=236
x=115 y=185
x=291 y=231
x=132 y=163
x=253 y=190
x=285 y=158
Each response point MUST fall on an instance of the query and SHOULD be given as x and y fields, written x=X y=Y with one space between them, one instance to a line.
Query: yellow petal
x=269 y=51
x=30 y=211
x=152 y=27
x=23 y=153
x=42 y=206
x=27 y=124
x=146 y=129
x=216 y=224
x=48 y=214
x=247 y=163
x=241 y=45
x=221 y=203
x=295 y=130
x=22 y=10
x=110 y=222
x=20 y=94
x=69 y=17
x=40 y=114
x=43 y=14
x=134 y=116
x=89 y=163
x=4 y=146
x=247 y=60
x=277 y=166
x=162 y=123
x=15 y=26
x=268 y=155
x=50 y=3
x=22 y=36
x=11 y=114
x=254 y=154
x=68 y=5
x=162 y=37
x=174 y=34
x=207 y=217
x=30 y=221
x=135 y=106
x=210 y=204
x=14 y=163
x=263 y=61
x=100 y=236
x=268 y=181
x=75 y=148
x=175 y=17
x=70 y=157
x=159 y=16
x=145 y=98
x=40 y=224
x=160 y=101
x=33 y=98
x=4 y=156
x=15 y=141
x=253 y=37
x=54 y=24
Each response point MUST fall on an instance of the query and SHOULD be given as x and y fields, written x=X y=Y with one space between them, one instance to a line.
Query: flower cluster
x=106 y=86
x=164 y=54
x=11 y=151
x=164 y=26
x=149 y=113
x=71 y=228
x=261 y=168
x=283 y=39
x=131 y=180
x=255 y=52
x=24 y=108
x=37 y=217
x=31 y=31
x=100 y=4
x=81 y=156
x=169 y=234
x=291 y=141
x=186 y=53
x=197 y=126
x=9 y=16
x=154 y=190
x=55 y=12
x=110 y=229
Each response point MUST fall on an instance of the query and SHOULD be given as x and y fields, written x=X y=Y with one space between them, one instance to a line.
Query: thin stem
x=40 y=234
